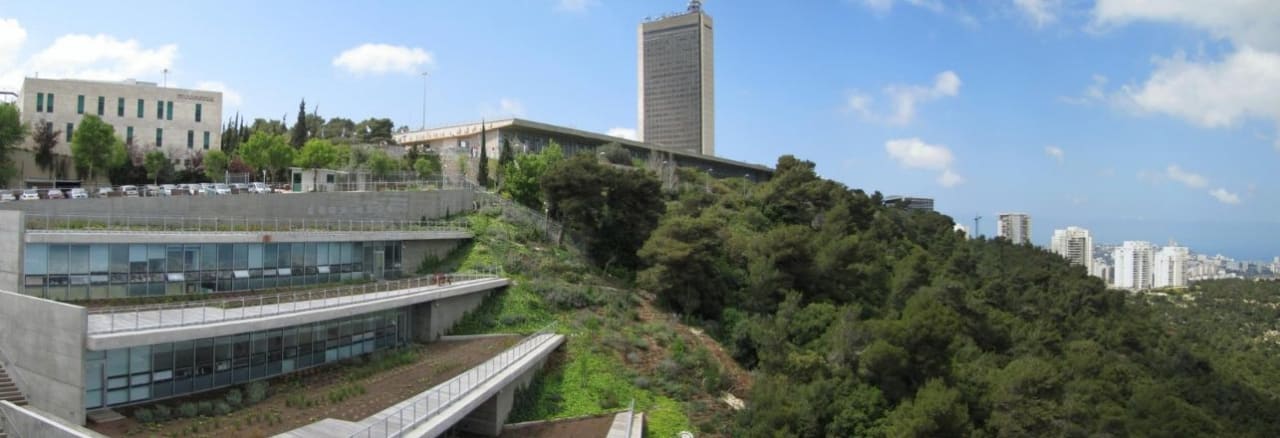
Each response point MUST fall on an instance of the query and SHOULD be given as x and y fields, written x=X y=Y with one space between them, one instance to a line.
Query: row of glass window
x=128 y=138
x=98 y=271
x=164 y=109
x=132 y=375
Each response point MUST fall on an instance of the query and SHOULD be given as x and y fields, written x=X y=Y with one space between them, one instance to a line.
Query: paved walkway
x=204 y=313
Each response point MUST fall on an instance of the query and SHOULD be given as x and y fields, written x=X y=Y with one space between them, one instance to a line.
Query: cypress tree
x=482 y=175
x=299 y=135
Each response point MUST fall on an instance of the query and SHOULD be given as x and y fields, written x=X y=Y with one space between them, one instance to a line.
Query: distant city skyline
x=1108 y=114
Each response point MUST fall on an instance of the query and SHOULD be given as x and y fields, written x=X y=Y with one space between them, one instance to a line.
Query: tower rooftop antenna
x=695 y=5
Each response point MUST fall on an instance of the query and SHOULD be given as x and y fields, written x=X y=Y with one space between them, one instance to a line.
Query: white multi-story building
x=180 y=122
x=677 y=81
x=1014 y=226
x=1170 y=267
x=1133 y=265
x=1074 y=244
x=1099 y=268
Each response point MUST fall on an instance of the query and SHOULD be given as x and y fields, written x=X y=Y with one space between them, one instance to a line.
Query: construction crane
x=976 y=220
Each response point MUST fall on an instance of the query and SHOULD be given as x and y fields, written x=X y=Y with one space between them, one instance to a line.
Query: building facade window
x=48 y=105
x=158 y=371
x=141 y=107
x=39 y=102
x=102 y=104
x=206 y=140
x=70 y=127
x=191 y=139
x=137 y=270
x=80 y=104
x=199 y=109
x=168 y=110
x=159 y=110
x=128 y=138
x=119 y=107
x=159 y=137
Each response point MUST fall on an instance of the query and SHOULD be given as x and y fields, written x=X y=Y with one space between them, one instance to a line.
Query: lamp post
x=424 y=100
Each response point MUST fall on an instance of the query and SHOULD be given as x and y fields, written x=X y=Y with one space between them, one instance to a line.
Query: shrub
x=642 y=382
x=221 y=408
x=234 y=398
x=144 y=415
x=188 y=410
x=206 y=408
x=257 y=391
x=163 y=413
x=511 y=320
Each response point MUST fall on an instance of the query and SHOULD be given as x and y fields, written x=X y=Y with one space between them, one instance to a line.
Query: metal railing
x=631 y=417
x=396 y=186
x=112 y=223
x=154 y=316
x=424 y=406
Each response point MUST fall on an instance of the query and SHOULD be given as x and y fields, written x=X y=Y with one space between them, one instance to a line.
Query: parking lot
x=135 y=191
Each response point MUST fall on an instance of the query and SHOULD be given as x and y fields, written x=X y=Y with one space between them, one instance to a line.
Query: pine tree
x=482 y=175
x=299 y=135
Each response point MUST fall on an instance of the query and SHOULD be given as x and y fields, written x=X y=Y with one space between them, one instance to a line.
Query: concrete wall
x=415 y=251
x=12 y=227
x=335 y=205
x=444 y=314
x=488 y=418
x=42 y=346
x=30 y=422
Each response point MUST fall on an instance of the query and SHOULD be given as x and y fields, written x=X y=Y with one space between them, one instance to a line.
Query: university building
x=180 y=122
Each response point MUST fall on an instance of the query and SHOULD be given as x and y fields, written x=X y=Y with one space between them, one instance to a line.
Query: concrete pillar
x=488 y=418
x=12 y=250
x=432 y=319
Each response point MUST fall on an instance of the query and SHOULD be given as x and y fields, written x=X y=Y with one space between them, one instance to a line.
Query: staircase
x=9 y=392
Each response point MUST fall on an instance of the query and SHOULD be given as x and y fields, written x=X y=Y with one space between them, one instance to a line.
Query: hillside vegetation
x=854 y=319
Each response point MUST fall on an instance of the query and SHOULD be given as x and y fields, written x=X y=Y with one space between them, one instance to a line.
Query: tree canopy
x=95 y=147
x=12 y=131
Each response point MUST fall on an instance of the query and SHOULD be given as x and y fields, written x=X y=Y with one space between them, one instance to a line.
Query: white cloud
x=1055 y=152
x=93 y=57
x=12 y=36
x=1040 y=12
x=230 y=98
x=574 y=5
x=1225 y=197
x=882 y=7
x=914 y=153
x=904 y=99
x=627 y=133
x=383 y=58
x=1215 y=94
x=1189 y=179
x=1092 y=93
x=949 y=178
x=1254 y=23
x=506 y=107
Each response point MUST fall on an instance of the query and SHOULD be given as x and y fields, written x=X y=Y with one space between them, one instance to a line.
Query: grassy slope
x=619 y=347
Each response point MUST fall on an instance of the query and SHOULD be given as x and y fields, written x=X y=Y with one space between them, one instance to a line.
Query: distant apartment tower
x=1171 y=267
x=1134 y=265
x=676 y=82
x=1099 y=268
x=1074 y=244
x=1014 y=226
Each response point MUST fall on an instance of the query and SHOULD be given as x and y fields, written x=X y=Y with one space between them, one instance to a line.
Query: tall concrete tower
x=677 y=81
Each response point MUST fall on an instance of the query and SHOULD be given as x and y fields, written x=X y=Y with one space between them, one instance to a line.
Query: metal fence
x=111 y=223
x=428 y=404
x=397 y=185
x=147 y=317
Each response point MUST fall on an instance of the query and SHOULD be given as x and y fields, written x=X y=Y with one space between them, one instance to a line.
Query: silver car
x=129 y=191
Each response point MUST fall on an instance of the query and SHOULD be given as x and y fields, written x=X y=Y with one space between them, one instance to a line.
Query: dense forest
x=859 y=319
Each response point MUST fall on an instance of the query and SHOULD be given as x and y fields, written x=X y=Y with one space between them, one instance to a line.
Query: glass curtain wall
x=152 y=372
x=100 y=271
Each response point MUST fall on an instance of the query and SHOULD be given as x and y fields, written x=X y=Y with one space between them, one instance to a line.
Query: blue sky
x=1138 y=120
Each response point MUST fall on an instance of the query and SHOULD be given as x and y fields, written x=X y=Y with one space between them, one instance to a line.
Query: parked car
x=259 y=188
x=195 y=189
x=167 y=189
x=221 y=189
x=239 y=188
x=151 y=190
x=129 y=191
x=54 y=194
x=6 y=196
x=105 y=192
x=30 y=195
x=79 y=193
x=206 y=189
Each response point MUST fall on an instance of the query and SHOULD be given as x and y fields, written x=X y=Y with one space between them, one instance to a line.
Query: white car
x=6 y=196
x=79 y=193
x=129 y=191
x=206 y=189
x=239 y=188
x=221 y=189
x=104 y=192
x=30 y=195
x=259 y=188
x=167 y=189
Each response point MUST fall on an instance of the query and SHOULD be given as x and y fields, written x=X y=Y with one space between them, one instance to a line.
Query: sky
x=1137 y=119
